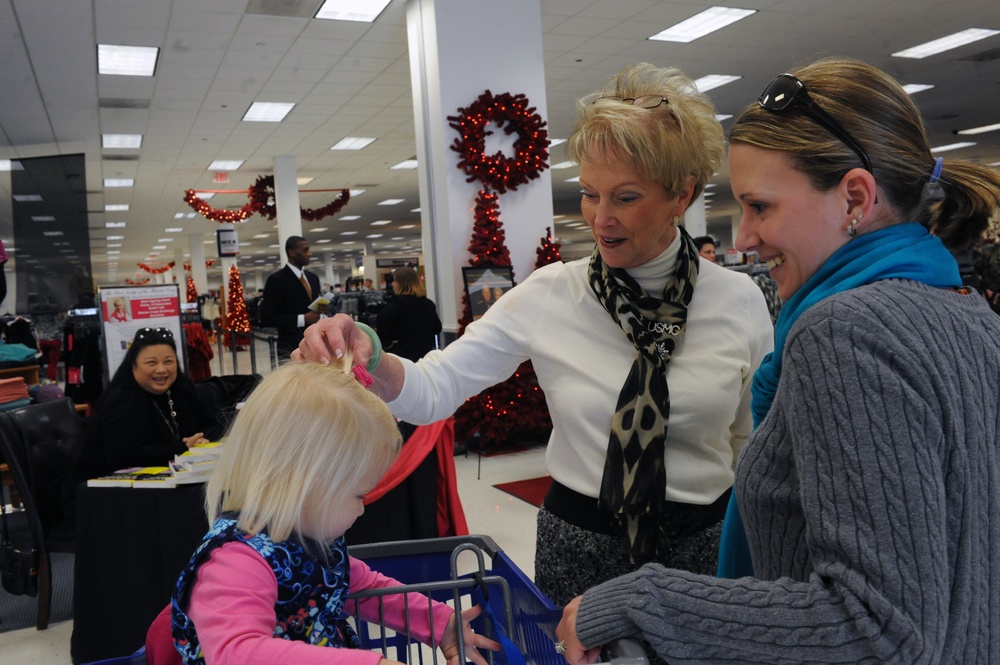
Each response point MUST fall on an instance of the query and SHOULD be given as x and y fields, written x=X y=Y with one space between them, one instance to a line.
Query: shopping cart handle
x=624 y=652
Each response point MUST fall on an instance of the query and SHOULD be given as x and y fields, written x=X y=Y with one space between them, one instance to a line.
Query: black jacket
x=284 y=300
x=407 y=326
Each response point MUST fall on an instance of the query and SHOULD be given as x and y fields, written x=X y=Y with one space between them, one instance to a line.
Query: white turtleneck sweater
x=582 y=357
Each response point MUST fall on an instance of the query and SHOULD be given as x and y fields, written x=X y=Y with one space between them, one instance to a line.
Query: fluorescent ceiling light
x=123 y=238
x=190 y=215
x=225 y=165
x=364 y=11
x=723 y=116
x=374 y=235
x=204 y=197
x=159 y=246
x=322 y=241
x=348 y=233
x=952 y=146
x=114 y=225
x=267 y=111
x=946 y=43
x=706 y=83
x=121 y=140
x=303 y=181
x=164 y=240
x=174 y=229
x=408 y=226
x=554 y=142
x=179 y=215
x=43 y=218
x=348 y=218
x=563 y=165
x=382 y=222
x=112 y=207
x=390 y=202
x=119 y=182
x=576 y=179
x=352 y=143
x=113 y=252
x=52 y=233
x=699 y=25
x=980 y=130
x=25 y=198
x=914 y=88
x=355 y=192
x=114 y=244
x=10 y=165
x=126 y=60
x=405 y=164
x=349 y=242
x=319 y=230
x=261 y=235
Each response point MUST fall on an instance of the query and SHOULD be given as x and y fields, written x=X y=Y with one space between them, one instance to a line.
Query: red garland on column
x=548 y=252
x=192 y=292
x=237 y=318
x=514 y=409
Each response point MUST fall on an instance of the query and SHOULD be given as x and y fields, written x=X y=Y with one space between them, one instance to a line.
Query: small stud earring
x=677 y=220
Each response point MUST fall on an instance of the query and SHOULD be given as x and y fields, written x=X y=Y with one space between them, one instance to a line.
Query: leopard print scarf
x=634 y=483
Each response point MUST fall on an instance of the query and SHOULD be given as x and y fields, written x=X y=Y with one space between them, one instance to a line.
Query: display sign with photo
x=126 y=309
x=484 y=286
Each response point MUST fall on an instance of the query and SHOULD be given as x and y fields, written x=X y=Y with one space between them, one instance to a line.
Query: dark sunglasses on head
x=645 y=101
x=786 y=92
x=154 y=333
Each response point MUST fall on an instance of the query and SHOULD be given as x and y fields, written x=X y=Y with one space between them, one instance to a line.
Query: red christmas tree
x=237 y=318
x=514 y=409
x=192 y=292
x=548 y=251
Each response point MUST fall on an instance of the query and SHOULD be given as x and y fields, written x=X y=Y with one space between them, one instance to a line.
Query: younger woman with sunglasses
x=870 y=488
x=148 y=413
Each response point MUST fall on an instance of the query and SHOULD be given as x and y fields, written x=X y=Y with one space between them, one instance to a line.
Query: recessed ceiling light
x=390 y=202
x=119 y=182
x=261 y=235
x=946 y=43
x=115 y=207
x=303 y=181
x=712 y=81
x=952 y=146
x=352 y=143
x=26 y=198
x=225 y=165
x=126 y=60
x=190 y=215
x=10 y=165
x=114 y=225
x=701 y=24
x=980 y=130
x=374 y=235
x=121 y=140
x=408 y=226
x=576 y=179
x=415 y=210
x=165 y=240
x=114 y=244
x=123 y=238
x=113 y=252
x=52 y=233
x=563 y=165
x=319 y=230
x=349 y=242
x=348 y=233
x=179 y=215
x=355 y=193
x=405 y=164
x=43 y=218
x=554 y=142
x=348 y=218
x=323 y=240
x=364 y=11
x=914 y=88
x=723 y=116
x=268 y=111
x=174 y=229
x=382 y=222
x=204 y=197
x=159 y=246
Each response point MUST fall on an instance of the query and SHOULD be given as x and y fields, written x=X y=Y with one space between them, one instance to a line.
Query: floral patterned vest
x=310 y=595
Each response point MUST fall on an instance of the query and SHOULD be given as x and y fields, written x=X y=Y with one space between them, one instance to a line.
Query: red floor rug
x=532 y=490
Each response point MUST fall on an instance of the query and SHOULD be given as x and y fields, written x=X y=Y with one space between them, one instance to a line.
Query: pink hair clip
x=362 y=375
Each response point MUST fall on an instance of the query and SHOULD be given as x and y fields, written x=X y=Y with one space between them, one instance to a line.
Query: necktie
x=305 y=284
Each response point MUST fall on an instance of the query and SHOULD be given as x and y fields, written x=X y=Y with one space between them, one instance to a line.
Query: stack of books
x=193 y=466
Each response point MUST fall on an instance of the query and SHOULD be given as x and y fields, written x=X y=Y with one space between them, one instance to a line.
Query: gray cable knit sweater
x=871 y=496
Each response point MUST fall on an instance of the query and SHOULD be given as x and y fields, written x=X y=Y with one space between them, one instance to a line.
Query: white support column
x=449 y=69
x=694 y=218
x=198 y=270
x=286 y=200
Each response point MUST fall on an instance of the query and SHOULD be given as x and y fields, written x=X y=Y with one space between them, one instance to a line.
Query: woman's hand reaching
x=330 y=338
x=473 y=641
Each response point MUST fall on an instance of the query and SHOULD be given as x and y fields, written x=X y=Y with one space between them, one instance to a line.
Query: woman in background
x=408 y=325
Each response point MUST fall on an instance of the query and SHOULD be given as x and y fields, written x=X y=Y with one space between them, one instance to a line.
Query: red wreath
x=208 y=264
x=156 y=271
x=132 y=282
x=499 y=172
x=261 y=195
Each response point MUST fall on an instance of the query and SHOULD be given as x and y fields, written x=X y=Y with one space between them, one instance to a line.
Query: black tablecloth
x=131 y=547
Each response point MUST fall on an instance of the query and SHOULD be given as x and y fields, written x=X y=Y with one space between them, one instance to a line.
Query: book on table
x=137 y=476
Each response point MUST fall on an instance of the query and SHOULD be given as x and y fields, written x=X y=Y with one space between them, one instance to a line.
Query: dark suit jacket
x=284 y=300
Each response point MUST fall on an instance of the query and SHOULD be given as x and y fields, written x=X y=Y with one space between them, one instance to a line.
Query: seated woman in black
x=149 y=412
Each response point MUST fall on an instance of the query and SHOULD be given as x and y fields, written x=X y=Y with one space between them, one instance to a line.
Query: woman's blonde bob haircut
x=306 y=435
x=668 y=144
x=407 y=282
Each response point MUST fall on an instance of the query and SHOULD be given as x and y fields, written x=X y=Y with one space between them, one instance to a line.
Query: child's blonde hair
x=307 y=434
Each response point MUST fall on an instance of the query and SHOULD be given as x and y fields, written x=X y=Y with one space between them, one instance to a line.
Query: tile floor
x=509 y=521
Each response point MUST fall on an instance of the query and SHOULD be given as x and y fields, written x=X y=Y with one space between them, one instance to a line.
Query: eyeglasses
x=646 y=101
x=786 y=92
x=154 y=333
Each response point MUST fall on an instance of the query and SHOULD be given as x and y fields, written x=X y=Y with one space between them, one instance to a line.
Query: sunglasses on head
x=645 y=101
x=786 y=92
x=154 y=334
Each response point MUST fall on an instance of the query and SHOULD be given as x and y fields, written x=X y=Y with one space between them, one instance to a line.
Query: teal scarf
x=903 y=251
